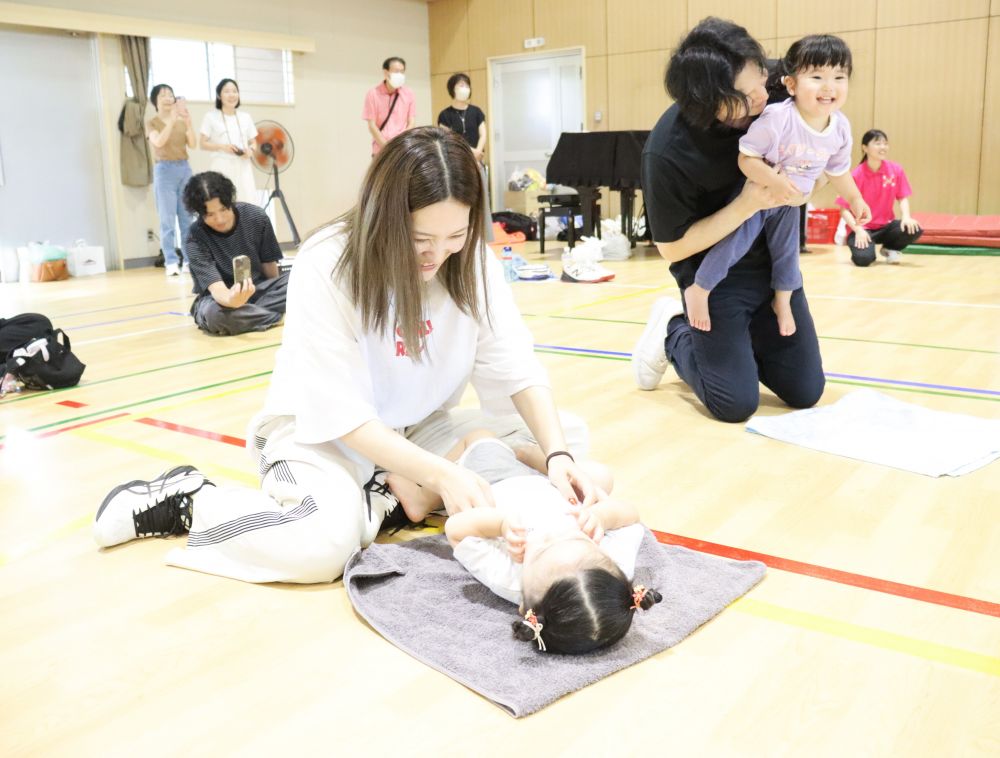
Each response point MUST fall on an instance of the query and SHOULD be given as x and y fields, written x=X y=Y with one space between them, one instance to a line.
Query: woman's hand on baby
x=590 y=524
x=461 y=489
x=573 y=482
x=515 y=536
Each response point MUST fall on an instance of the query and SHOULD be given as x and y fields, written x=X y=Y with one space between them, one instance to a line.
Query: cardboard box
x=522 y=202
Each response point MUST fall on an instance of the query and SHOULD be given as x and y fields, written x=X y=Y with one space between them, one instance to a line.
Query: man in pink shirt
x=390 y=108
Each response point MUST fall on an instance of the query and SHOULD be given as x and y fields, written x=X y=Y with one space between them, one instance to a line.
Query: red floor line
x=834 y=575
x=194 y=432
x=75 y=426
x=783 y=564
x=72 y=404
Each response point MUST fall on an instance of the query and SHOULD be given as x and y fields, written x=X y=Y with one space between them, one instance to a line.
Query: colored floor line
x=874 y=380
x=61 y=316
x=901 y=301
x=899 y=643
x=39 y=395
x=911 y=592
x=147 y=400
x=116 y=337
x=54 y=432
x=124 y=320
x=614 y=298
x=836 y=339
x=71 y=404
x=228 y=439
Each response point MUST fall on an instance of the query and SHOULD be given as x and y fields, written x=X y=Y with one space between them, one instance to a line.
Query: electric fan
x=273 y=155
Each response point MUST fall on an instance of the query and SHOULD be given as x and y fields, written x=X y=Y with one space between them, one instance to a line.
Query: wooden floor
x=114 y=653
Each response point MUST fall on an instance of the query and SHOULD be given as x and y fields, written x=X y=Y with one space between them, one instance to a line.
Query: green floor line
x=36 y=396
x=106 y=411
x=952 y=250
x=837 y=339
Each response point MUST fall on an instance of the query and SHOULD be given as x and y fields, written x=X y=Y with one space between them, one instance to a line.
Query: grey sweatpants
x=264 y=310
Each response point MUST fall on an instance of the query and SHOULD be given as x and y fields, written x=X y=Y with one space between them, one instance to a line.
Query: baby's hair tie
x=638 y=593
x=531 y=620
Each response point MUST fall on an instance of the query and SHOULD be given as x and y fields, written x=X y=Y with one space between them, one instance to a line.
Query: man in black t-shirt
x=695 y=195
x=223 y=231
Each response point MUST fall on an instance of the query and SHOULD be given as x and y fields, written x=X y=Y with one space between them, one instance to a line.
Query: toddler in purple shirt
x=790 y=146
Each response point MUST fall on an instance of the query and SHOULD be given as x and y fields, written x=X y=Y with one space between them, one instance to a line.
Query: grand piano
x=587 y=161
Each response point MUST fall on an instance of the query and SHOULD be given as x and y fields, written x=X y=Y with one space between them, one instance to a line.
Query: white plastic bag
x=85 y=260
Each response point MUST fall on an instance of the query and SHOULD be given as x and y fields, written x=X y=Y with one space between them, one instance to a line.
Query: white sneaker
x=380 y=507
x=172 y=269
x=159 y=508
x=649 y=359
x=186 y=267
x=891 y=256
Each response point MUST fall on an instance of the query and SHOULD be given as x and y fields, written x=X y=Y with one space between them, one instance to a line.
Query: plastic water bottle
x=508 y=265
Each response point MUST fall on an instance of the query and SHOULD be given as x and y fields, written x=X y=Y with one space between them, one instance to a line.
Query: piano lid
x=597 y=159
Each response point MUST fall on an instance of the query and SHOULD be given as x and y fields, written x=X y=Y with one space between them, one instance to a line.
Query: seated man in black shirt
x=224 y=230
x=695 y=195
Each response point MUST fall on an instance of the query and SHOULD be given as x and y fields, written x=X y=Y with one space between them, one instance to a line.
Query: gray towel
x=424 y=602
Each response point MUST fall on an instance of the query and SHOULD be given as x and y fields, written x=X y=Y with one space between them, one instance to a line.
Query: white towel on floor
x=869 y=426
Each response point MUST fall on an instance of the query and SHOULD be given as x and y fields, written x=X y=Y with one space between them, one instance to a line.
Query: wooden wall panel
x=449 y=36
x=989 y=173
x=439 y=95
x=995 y=8
x=596 y=78
x=571 y=23
x=936 y=130
x=636 y=97
x=758 y=16
x=797 y=19
x=643 y=25
x=904 y=12
x=498 y=27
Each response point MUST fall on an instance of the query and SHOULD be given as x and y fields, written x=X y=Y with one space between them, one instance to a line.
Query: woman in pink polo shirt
x=881 y=182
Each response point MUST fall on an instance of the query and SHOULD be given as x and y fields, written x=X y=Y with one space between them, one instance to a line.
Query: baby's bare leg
x=696 y=300
x=782 y=306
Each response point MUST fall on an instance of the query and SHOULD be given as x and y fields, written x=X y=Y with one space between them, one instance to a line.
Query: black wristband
x=553 y=455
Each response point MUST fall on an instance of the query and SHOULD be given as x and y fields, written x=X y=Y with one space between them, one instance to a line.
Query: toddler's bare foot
x=696 y=300
x=417 y=502
x=786 y=321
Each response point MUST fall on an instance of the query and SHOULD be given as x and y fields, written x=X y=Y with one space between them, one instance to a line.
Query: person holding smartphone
x=170 y=134
x=234 y=260
x=229 y=134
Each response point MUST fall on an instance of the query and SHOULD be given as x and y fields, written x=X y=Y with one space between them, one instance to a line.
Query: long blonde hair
x=379 y=264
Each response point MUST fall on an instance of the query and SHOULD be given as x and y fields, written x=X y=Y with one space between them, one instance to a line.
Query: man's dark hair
x=455 y=79
x=816 y=51
x=703 y=70
x=389 y=61
x=206 y=186
x=218 y=92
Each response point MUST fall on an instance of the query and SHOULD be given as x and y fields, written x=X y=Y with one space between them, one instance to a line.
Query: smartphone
x=239 y=150
x=241 y=269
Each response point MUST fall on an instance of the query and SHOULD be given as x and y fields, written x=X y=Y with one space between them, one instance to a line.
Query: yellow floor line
x=931 y=651
x=214 y=472
x=611 y=299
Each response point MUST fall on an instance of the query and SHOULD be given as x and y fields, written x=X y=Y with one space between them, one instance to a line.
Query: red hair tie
x=638 y=593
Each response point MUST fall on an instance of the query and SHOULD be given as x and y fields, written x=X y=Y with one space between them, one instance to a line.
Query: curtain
x=136 y=155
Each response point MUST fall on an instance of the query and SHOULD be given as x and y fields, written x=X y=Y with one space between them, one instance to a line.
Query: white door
x=50 y=134
x=535 y=99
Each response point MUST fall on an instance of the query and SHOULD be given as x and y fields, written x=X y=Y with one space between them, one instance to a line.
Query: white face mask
x=462 y=93
x=396 y=79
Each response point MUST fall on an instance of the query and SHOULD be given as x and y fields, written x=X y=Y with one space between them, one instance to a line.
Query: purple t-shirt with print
x=782 y=138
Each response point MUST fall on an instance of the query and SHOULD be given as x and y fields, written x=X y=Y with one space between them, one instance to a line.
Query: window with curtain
x=193 y=69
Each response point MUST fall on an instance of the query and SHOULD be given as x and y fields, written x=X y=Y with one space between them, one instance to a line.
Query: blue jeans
x=169 y=178
x=781 y=229
x=725 y=366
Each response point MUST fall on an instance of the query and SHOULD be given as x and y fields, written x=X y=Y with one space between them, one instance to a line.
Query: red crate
x=821 y=225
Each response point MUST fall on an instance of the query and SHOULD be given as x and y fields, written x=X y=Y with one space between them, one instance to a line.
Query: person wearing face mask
x=695 y=195
x=390 y=107
x=464 y=118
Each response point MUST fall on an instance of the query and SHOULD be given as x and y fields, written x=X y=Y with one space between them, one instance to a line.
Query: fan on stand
x=273 y=155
